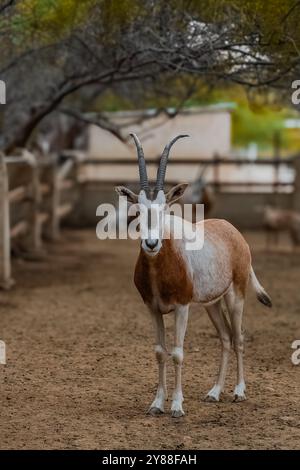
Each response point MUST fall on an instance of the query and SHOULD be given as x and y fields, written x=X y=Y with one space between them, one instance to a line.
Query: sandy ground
x=81 y=372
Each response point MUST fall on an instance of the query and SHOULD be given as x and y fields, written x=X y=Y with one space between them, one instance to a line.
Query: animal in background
x=277 y=220
x=198 y=192
x=169 y=277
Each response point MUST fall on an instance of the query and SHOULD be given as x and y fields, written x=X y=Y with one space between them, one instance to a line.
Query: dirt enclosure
x=81 y=371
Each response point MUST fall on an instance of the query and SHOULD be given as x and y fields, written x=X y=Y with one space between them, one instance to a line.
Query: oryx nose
x=151 y=243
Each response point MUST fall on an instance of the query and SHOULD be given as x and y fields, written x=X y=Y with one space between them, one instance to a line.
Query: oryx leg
x=157 y=406
x=221 y=324
x=181 y=319
x=235 y=306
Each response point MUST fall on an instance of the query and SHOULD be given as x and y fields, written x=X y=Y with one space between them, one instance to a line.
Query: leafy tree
x=58 y=54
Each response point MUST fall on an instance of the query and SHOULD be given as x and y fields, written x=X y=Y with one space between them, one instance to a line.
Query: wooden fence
x=33 y=201
x=217 y=164
x=35 y=195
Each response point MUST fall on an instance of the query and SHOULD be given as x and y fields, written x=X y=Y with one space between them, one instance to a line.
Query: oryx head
x=153 y=202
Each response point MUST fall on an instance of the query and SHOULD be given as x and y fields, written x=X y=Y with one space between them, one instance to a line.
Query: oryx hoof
x=239 y=398
x=154 y=411
x=177 y=413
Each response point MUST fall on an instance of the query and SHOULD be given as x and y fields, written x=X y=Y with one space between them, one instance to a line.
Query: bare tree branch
x=6 y=5
x=100 y=121
x=141 y=57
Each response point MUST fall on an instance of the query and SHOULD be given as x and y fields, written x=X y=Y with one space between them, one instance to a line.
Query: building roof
x=213 y=108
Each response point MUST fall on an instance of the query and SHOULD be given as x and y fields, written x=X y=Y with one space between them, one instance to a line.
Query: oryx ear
x=131 y=196
x=176 y=192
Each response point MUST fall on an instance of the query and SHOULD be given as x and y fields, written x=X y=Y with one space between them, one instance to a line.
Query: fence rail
x=190 y=161
x=217 y=165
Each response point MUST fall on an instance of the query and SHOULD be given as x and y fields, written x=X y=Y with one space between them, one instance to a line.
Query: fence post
x=6 y=280
x=34 y=239
x=216 y=160
x=55 y=201
x=36 y=206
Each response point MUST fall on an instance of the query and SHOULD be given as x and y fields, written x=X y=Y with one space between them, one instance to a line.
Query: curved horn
x=142 y=164
x=161 y=172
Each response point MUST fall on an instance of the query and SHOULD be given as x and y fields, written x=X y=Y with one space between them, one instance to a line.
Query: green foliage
x=257 y=117
x=49 y=20
x=37 y=23
x=259 y=127
x=151 y=57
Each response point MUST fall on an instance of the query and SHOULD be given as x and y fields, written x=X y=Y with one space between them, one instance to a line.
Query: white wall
x=209 y=130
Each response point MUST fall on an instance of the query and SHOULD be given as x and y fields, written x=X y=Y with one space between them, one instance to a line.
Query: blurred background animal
x=198 y=192
x=276 y=220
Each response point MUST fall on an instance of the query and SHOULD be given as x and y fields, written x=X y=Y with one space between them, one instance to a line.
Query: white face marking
x=152 y=214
